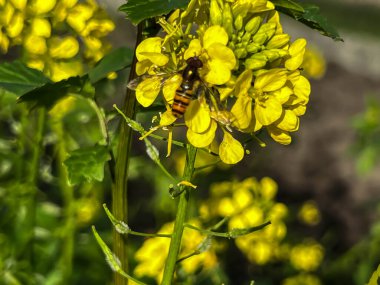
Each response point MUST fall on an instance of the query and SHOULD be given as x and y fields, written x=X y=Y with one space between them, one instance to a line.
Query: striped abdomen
x=182 y=98
x=185 y=92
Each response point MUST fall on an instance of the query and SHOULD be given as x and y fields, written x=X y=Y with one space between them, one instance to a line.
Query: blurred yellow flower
x=314 y=63
x=152 y=254
x=307 y=256
x=302 y=279
x=309 y=213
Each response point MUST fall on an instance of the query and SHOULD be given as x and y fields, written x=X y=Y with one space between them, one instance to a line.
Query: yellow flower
x=152 y=255
x=314 y=64
x=149 y=54
x=35 y=44
x=63 y=48
x=40 y=27
x=218 y=60
x=307 y=256
x=42 y=6
x=309 y=213
x=303 y=278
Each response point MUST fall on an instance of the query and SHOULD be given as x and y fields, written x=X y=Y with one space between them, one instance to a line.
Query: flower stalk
x=119 y=189
x=182 y=210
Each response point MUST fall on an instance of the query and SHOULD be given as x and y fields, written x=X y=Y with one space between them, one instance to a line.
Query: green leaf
x=288 y=4
x=117 y=60
x=87 y=164
x=138 y=10
x=19 y=79
x=48 y=94
x=310 y=16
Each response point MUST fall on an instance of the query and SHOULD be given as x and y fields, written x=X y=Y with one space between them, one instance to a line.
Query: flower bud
x=265 y=32
x=227 y=19
x=278 y=41
x=259 y=38
x=253 y=47
x=66 y=47
x=4 y=42
x=35 y=44
x=256 y=61
x=247 y=36
x=19 y=4
x=238 y=22
x=6 y=14
x=215 y=13
x=274 y=54
x=253 y=25
x=241 y=52
x=40 y=27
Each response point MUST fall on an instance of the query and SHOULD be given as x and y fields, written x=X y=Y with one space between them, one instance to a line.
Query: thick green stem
x=29 y=193
x=67 y=251
x=119 y=189
x=175 y=242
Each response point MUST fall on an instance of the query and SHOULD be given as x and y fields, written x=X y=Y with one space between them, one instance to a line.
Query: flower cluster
x=56 y=35
x=251 y=73
x=152 y=254
x=251 y=202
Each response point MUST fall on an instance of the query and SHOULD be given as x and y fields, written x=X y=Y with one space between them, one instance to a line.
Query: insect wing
x=135 y=82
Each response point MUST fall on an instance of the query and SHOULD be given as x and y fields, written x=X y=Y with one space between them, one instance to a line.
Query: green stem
x=119 y=189
x=66 y=258
x=29 y=202
x=175 y=242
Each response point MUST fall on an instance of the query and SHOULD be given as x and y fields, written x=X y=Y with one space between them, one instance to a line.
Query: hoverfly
x=189 y=89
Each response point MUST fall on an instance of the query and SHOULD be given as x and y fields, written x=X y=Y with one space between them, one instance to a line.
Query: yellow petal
x=224 y=92
x=221 y=52
x=170 y=87
x=268 y=111
x=16 y=25
x=243 y=83
x=147 y=91
x=64 y=70
x=296 y=52
x=42 y=6
x=279 y=136
x=19 y=4
x=214 y=34
x=202 y=139
x=34 y=44
x=150 y=49
x=283 y=94
x=78 y=16
x=289 y=122
x=167 y=118
x=143 y=66
x=302 y=89
x=36 y=64
x=197 y=116
x=67 y=47
x=299 y=109
x=230 y=150
x=218 y=73
x=242 y=111
x=254 y=125
x=271 y=80
x=194 y=49
x=40 y=27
